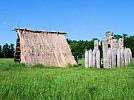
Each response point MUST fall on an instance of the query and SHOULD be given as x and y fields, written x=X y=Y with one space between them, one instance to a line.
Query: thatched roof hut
x=42 y=47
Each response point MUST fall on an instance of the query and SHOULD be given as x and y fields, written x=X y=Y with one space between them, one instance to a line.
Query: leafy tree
x=11 y=51
x=125 y=35
x=0 y=51
x=78 y=47
x=116 y=36
x=129 y=43
x=7 y=51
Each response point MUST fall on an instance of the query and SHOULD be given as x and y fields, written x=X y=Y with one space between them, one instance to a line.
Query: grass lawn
x=21 y=82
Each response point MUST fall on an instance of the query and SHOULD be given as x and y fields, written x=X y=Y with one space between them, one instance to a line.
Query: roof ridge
x=39 y=31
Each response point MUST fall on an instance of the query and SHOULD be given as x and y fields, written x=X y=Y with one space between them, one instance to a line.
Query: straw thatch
x=42 y=47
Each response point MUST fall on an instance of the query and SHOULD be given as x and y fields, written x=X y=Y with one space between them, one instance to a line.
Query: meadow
x=23 y=82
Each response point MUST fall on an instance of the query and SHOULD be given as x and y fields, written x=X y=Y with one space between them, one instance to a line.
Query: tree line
x=7 y=51
x=77 y=47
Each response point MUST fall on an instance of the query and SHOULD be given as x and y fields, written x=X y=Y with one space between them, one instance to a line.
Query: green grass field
x=21 y=82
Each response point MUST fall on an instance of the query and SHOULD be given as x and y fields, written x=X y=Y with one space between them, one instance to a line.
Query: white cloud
x=4 y=23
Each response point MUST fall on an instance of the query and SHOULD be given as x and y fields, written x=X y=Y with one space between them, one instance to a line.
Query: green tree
x=78 y=47
x=8 y=50
x=0 y=51
x=117 y=36
x=129 y=43
x=5 y=50
x=11 y=51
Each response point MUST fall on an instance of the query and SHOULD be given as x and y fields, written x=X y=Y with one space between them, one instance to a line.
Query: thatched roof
x=43 y=47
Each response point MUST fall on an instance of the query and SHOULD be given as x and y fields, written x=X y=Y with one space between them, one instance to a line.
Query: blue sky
x=81 y=19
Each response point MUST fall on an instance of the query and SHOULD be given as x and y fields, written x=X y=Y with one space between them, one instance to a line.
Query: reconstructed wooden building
x=42 y=47
x=115 y=54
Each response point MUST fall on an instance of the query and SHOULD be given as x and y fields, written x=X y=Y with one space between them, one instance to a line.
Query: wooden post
x=130 y=55
x=104 y=47
x=114 y=59
x=86 y=59
x=96 y=44
x=109 y=58
x=98 y=58
x=90 y=58
x=94 y=56
x=121 y=43
x=122 y=57
x=126 y=58
x=118 y=57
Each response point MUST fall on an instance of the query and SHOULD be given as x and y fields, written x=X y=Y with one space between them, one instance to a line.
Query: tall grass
x=22 y=82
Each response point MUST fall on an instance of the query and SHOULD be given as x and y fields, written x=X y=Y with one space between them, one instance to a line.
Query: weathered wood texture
x=90 y=58
x=114 y=53
x=114 y=57
x=118 y=57
x=44 y=47
x=94 y=58
x=86 y=59
x=109 y=36
x=104 y=48
x=122 y=57
x=109 y=58
x=121 y=43
x=98 y=58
